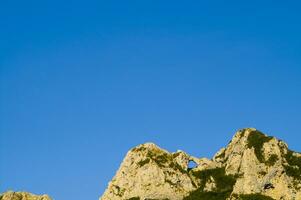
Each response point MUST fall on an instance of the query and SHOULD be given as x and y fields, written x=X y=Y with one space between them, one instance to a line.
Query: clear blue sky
x=84 y=81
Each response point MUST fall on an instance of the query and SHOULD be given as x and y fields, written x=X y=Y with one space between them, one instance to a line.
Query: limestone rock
x=151 y=172
x=252 y=166
x=10 y=195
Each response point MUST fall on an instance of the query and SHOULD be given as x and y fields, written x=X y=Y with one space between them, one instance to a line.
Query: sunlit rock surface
x=252 y=166
x=10 y=195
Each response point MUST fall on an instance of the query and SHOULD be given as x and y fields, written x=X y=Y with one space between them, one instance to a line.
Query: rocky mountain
x=253 y=166
x=10 y=195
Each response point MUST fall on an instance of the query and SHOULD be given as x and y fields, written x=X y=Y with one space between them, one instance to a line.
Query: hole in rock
x=192 y=164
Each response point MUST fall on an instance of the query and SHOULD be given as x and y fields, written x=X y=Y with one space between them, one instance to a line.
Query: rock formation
x=10 y=195
x=252 y=166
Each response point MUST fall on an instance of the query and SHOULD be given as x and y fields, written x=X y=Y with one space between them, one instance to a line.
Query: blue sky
x=84 y=81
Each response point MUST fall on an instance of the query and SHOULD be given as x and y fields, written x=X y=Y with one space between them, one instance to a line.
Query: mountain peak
x=10 y=195
x=252 y=166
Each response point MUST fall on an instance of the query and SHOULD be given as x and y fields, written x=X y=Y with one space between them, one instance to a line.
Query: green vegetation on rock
x=256 y=139
x=252 y=197
x=134 y=198
x=224 y=185
x=272 y=160
x=138 y=198
x=143 y=162
x=294 y=167
x=208 y=196
x=161 y=158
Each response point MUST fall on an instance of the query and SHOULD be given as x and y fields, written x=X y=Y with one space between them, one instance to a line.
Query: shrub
x=224 y=185
x=253 y=197
x=256 y=139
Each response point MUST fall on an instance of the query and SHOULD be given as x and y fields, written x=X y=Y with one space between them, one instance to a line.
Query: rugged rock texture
x=252 y=166
x=10 y=195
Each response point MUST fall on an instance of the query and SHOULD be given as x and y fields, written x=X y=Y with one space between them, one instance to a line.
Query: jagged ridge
x=252 y=166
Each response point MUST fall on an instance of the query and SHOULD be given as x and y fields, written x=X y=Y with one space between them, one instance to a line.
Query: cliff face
x=252 y=166
x=10 y=195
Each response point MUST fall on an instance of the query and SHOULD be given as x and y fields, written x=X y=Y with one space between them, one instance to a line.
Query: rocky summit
x=10 y=195
x=253 y=166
